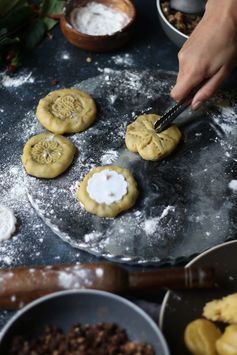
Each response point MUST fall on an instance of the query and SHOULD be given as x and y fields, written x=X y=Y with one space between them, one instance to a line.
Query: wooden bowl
x=100 y=43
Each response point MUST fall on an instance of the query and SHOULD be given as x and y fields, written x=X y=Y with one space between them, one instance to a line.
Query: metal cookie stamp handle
x=176 y=110
x=170 y=116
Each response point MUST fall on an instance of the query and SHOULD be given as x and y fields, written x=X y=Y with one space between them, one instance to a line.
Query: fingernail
x=196 y=105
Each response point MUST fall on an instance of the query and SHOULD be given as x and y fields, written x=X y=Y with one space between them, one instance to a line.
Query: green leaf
x=49 y=23
x=3 y=31
x=7 y=5
x=16 y=18
x=6 y=41
x=35 y=34
x=52 y=7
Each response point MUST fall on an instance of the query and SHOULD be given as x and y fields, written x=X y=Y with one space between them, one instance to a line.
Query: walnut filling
x=95 y=339
x=46 y=152
x=182 y=21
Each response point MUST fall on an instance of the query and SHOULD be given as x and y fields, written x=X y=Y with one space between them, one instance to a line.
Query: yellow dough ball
x=142 y=138
x=200 y=337
x=227 y=343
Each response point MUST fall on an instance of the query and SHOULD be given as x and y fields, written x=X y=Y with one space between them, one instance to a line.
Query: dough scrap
x=66 y=111
x=103 y=209
x=227 y=343
x=46 y=155
x=142 y=138
x=7 y=223
x=224 y=310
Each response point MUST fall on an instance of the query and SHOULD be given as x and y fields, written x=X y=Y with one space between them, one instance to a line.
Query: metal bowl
x=65 y=308
x=174 y=35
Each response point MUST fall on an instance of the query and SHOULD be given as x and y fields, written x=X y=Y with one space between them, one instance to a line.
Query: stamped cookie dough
x=142 y=138
x=66 y=111
x=47 y=155
x=7 y=223
x=107 y=191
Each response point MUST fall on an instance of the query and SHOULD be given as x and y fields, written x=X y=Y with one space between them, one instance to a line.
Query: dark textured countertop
x=56 y=59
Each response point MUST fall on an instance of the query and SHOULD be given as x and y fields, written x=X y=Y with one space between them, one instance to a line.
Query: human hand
x=209 y=54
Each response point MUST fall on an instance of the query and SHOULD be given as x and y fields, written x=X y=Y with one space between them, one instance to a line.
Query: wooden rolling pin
x=21 y=285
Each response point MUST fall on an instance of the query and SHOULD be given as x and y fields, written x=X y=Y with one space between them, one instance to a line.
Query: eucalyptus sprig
x=23 y=24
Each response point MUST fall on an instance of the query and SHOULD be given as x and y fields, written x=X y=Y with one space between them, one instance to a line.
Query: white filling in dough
x=7 y=223
x=107 y=187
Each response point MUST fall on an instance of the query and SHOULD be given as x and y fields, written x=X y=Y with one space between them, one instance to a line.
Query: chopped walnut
x=99 y=339
x=182 y=21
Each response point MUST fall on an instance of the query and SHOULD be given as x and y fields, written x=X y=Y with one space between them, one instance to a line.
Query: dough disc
x=46 y=155
x=103 y=209
x=66 y=111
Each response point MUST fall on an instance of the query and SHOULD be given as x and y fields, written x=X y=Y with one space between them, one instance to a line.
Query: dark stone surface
x=150 y=48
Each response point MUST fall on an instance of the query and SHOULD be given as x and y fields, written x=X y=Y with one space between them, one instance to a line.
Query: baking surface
x=181 y=307
x=185 y=204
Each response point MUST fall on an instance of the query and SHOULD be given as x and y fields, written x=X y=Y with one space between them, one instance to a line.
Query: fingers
x=209 y=88
x=189 y=79
x=191 y=73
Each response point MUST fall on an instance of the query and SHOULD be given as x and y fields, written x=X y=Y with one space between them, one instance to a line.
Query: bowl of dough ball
x=177 y=25
x=82 y=322
x=98 y=25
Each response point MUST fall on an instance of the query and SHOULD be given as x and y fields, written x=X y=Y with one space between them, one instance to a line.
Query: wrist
x=222 y=8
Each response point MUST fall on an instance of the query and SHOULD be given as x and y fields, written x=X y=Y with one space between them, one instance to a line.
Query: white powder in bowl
x=98 y=19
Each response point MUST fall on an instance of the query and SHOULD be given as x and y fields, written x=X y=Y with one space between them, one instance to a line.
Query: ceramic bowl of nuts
x=97 y=25
x=82 y=322
x=177 y=25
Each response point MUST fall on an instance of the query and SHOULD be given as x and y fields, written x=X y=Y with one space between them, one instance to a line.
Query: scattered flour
x=233 y=185
x=15 y=81
x=13 y=195
x=109 y=157
x=112 y=98
x=92 y=236
x=74 y=278
x=65 y=56
x=226 y=118
x=125 y=60
x=150 y=225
